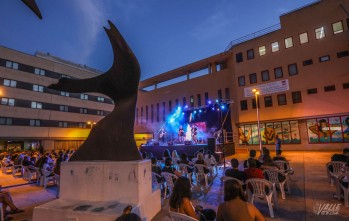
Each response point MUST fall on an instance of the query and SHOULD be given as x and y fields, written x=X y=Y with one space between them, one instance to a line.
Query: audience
x=234 y=171
x=235 y=206
x=252 y=171
x=6 y=200
x=252 y=156
x=201 y=161
x=180 y=201
x=184 y=160
x=168 y=168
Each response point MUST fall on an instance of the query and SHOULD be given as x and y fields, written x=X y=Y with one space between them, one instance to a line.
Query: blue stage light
x=209 y=102
x=217 y=100
x=200 y=111
x=195 y=112
x=223 y=107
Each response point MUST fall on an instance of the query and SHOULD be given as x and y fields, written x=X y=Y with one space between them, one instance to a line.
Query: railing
x=253 y=35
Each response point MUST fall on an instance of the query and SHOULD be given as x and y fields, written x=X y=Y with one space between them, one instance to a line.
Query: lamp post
x=256 y=93
x=91 y=123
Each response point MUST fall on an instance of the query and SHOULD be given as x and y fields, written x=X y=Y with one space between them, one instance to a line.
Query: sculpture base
x=99 y=191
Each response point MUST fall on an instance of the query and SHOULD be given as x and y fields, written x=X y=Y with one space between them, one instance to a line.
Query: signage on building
x=268 y=88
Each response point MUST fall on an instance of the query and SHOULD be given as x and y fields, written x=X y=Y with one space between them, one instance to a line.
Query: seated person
x=180 y=201
x=57 y=167
x=7 y=161
x=28 y=163
x=208 y=155
x=278 y=156
x=234 y=172
x=235 y=206
x=341 y=157
x=253 y=171
x=168 y=168
x=6 y=200
x=184 y=160
x=267 y=161
x=174 y=154
x=201 y=161
x=252 y=156
x=155 y=168
x=166 y=154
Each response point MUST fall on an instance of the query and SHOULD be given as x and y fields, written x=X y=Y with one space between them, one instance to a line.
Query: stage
x=190 y=150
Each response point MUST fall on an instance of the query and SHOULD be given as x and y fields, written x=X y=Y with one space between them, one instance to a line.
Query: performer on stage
x=181 y=134
x=162 y=136
x=194 y=133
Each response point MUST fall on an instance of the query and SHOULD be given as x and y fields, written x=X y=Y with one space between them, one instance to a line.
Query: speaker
x=187 y=142
x=211 y=145
x=156 y=144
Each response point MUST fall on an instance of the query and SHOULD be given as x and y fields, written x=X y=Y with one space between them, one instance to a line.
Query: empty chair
x=180 y=217
x=273 y=176
x=344 y=185
x=200 y=172
x=47 y=176
x=262 y=188
x=169 y=178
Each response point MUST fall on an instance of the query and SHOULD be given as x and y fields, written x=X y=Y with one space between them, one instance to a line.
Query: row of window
x=279 y=73
x=170 y=107
x=281 y=98
x=319 y=33
x=48 y=106
x=43 y=89
x=40 y=123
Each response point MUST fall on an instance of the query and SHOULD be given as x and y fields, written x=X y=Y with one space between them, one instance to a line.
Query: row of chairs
x=336 y=177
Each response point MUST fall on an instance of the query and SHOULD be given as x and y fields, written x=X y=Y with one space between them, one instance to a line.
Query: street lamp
x=256 y=93
x=91 y=123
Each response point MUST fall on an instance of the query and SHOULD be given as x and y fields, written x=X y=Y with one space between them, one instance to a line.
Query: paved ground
x=310 y=188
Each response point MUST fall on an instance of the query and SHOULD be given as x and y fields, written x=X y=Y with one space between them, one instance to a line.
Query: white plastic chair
x=184 y=169
x=169 y=178
x=344 y=188
x=5 y=167
x=2 y=215
x=17 y=169
x=154 y=180
x=47 y=177
x=225 y=178
x=259 y=187
x=273 y=176
x=337 y=170
x=199 y=172
x=180 y=217
x=28 y=174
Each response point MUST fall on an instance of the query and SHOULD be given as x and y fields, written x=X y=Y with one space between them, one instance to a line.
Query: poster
x=345 y=127
x=335 y=129
x=312 y=131
x=295 y=132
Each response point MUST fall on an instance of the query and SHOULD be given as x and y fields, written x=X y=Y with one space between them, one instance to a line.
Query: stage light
x=195 y=112
x=217 y=109
x=200 y=111
x=223 y=107
x=213 y=108
x=217 y=100
x=179 y=108
x=183 y=113
x=186 y=106
x=209 y=102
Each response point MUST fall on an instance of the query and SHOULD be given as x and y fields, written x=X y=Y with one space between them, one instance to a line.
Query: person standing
x=181 y=134
x=277 y=143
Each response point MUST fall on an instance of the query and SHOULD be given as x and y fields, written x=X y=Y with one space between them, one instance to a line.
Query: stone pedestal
x=97 y=191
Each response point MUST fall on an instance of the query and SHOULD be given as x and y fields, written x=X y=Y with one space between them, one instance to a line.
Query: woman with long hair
x=235 y=206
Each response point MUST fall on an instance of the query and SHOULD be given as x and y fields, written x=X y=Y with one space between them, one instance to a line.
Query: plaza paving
x=310 y=187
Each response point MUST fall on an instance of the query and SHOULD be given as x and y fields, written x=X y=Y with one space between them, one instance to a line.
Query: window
x=13 y=65
x=82 y=125
x=337 y=27
x=324 y=58
x=241 y=81
x=198 y=96
x=157 y=112
x=278 y=72
x=10 y=83
x=275 y=46
x=206 y=98
x=191 y=101
x=282 y=99
x=239 y=57
x=319 y=33
x=288 y=42
x=177 y=103
x=253 y=78
x=36 y=105
x=265 y=75
x=303 y=38
x=250 y=54
x=170 y=105
x=342 y=54
x=163 y=111
x=83 y=110
x=296 y=97
x=262 y=50
x=83 y=96
x=152 y=113
x=184 y=101
x=219 y=94
x=254 y=103
x=292 y=69
x=39 y=71
x=38 y=88
x=5 y=121
x=243 y=105
x=227 y=93
x=312 y=91
x=268 y=101
x=34 y=123
x=8 y=101
x=101 y=113
x=308 y=62
x=63 y=108
x=100 y=99
x=345 y=85
x=63 y=93
x=330 y=88
x=63 y=124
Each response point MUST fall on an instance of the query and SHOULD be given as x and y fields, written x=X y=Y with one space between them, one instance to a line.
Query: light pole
x=91 y=123
x=256 y=93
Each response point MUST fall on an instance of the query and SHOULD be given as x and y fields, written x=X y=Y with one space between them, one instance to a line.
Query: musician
x=194 y=133
x=181 y=134
x=162 y=135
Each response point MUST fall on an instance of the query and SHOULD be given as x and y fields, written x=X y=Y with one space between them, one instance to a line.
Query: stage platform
x=190 y=150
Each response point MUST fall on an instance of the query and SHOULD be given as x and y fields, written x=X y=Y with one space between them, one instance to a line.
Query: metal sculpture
x=111 y=139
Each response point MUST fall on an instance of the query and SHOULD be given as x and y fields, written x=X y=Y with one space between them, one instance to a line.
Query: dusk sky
x=164 y=35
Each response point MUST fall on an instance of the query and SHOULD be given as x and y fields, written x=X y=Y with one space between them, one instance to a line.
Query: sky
x=164 y=34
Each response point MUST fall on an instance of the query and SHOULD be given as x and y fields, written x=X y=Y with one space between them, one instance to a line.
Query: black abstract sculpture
x=111 y=139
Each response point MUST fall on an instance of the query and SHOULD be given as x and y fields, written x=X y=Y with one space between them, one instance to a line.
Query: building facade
x=300 y=69
x=32 y=115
